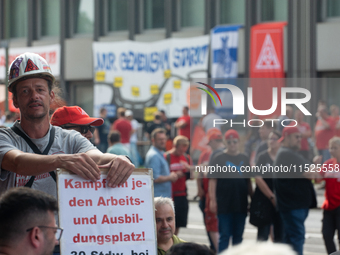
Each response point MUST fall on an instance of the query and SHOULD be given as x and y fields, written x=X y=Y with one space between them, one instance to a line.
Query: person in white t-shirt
x=133 y=138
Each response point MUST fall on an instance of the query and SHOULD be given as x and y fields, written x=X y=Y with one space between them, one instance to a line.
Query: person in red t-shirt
x=331 y=206
x=335 y=115
x=123 y=126
x=183 y=123
x=215 y=142
x=324 y=131
x=305 y=131
x=179 y=162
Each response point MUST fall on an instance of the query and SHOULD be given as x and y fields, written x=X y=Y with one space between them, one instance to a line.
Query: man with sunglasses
x=27 y=222
x=229 y=190
x=75 y=118
x=294 y=191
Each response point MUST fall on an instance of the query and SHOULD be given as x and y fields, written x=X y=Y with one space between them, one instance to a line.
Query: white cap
x=128 y=113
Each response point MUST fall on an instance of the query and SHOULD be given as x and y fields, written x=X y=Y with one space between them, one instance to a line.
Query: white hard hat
x=26 y=65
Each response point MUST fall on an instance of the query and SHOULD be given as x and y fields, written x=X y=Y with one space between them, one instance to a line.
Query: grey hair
x=263 y=248
x=334 y=140
x=164 y=201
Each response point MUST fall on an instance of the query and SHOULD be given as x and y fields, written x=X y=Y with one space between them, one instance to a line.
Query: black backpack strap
x=36 y=150
x=28 y=141
x=187 y=174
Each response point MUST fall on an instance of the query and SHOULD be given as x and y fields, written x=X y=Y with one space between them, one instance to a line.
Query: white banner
x=145 y=77
x=100 y=220
x=50 y=52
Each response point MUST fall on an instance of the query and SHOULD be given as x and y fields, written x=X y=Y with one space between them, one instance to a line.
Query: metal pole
x=5 y=43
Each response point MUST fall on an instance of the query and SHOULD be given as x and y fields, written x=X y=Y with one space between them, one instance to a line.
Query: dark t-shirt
x=103 y=132
x=262 y=147
x=265 y=160
x=152 y=126
x=231 y=193
x=214 y=153
x=293 y=193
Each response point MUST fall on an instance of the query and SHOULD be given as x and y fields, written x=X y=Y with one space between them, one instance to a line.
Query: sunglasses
x=232 y=141
x=83 y=129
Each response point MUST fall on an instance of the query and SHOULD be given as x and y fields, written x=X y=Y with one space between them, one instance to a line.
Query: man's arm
x=156 y=166
x=167 y=178
x=180 y=124
x=200 y=190
x=31 y=164
x=212 y=195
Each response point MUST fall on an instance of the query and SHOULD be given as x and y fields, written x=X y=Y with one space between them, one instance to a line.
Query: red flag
x=266 y=61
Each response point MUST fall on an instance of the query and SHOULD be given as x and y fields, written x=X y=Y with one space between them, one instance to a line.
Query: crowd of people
x=280 y=203
x=39 y=142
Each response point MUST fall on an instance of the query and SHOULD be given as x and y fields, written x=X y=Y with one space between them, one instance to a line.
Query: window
x=274 y=10
x=82 y=95
x=233 y=12
x=17 y=18
x=50 y=21
x=118 y=13
x=83 y=16
x=153 y=14
x=192 y=13
x=333 y=8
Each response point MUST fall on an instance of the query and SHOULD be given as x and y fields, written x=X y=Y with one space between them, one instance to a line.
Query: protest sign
x=98 y=220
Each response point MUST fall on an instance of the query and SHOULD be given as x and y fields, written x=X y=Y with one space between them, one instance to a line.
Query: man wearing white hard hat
x=31 y=82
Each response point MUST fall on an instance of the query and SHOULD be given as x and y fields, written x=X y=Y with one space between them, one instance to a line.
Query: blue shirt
x=154 y=159
x=118 y=149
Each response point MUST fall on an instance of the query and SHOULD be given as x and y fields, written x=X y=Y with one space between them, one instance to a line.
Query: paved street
x=195 y=231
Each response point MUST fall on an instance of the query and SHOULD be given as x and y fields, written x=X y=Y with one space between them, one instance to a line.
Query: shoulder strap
x=36 y=150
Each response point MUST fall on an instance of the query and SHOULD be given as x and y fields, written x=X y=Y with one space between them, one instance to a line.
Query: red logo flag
x=266 y=61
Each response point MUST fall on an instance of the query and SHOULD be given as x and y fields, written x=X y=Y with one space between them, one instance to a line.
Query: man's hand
x=180 y=174
x=80 y=164
x=273 y=201
x=185 y=164
x=200 y=192
x=120 y=169
x=173 y=177
x=317 y=160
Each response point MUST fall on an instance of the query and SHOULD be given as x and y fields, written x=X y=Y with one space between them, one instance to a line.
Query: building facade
x=311 y=37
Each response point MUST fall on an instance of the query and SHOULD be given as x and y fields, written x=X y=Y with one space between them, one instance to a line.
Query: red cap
x=214 y=134
x=288 y=131
x=74 y=115
x=231 y=134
